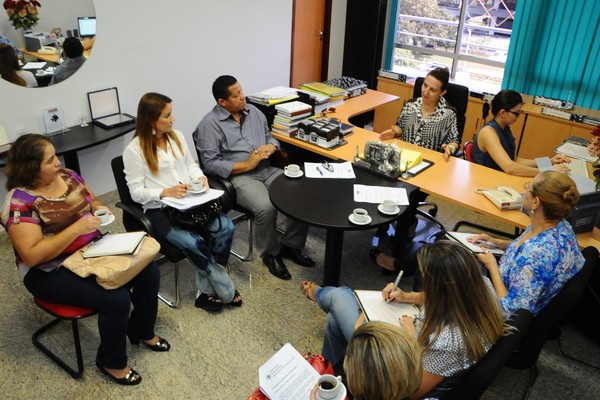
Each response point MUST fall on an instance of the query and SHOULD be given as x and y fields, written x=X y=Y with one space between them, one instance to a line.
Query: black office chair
x=230 y=199
x=547 y=320
x=481 y=375
x=134 y=219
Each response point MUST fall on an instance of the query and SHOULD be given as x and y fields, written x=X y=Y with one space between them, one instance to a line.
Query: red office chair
x=468 y=148
x=62 y=312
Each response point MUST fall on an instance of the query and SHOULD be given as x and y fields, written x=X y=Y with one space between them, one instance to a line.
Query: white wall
x=177 y=48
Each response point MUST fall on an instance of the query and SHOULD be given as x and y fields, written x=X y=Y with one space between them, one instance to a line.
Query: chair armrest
x=138 y=215
x=229 y=198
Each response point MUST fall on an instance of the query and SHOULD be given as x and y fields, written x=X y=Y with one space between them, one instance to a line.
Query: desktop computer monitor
x=87 y=26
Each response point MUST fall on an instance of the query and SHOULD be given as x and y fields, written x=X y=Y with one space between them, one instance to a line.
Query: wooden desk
x=454 y=180
x=52 y=58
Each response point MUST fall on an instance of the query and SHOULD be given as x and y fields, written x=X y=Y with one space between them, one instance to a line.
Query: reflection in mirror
x=37 y=36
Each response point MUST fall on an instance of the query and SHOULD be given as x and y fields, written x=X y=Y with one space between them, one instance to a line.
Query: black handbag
x=197 y=218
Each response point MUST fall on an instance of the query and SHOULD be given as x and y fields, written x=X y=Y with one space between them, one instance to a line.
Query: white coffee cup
x=329 y=386
x=292 y=169
x=360 y=215
x=103 y=214
x=389 y=205
x=196 y=185
x=40 y=72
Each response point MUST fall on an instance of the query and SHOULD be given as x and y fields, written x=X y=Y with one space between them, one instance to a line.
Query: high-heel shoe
x=132 y=377
x=161 y=345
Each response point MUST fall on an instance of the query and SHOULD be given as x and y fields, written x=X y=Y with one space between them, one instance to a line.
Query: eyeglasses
x=515 y=113
x=327 y=166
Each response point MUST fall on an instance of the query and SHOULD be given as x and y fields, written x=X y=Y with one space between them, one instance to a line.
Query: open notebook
x=114 y=244
x=376 y=309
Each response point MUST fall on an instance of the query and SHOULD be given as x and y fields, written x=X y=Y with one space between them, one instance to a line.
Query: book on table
x=376 y=309
x=293 y=108
x=114 y=244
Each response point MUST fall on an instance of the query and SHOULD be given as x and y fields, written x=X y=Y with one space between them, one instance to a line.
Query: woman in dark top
x=494 y=145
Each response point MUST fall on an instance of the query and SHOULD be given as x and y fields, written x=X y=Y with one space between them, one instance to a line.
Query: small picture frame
x=54 y=120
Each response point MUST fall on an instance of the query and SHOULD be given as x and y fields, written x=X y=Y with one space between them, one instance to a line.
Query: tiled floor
x=217 y=356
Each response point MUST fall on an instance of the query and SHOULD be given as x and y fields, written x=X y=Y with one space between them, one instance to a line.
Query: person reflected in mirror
x=158 y=164
x=383 y=361
x=4 y=39
x=234 y=142
x=536 y=265
x=494 y=145
x=428 y=121
x=11 y=71
x=73 y=50
x=48 y=214
x=459 y=318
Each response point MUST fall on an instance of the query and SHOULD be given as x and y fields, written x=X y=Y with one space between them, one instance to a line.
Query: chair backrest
x=457 y=95
x=129 y=222
x=555 y=311
x=468 y=151
x=481 y=375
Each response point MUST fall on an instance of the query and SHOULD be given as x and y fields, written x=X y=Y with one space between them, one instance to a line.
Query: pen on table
x=319 y=169
x=396 y=284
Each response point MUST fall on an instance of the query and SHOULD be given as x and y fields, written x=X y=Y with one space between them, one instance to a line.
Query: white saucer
x=42 y=74
x=198 y=191
x=111 y=218
x=381 y=210
x=341 y=394
x=294 y=176
x=366 y=222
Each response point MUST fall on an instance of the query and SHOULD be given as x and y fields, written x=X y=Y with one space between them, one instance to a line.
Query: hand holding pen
x=387 y=291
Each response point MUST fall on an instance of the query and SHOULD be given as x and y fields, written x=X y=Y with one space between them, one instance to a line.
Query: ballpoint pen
x=396 y=283
x=319 y=169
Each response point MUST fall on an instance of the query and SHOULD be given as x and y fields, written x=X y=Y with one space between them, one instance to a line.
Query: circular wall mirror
x=40 y=47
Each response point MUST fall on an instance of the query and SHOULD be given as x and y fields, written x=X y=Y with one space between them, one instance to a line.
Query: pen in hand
x=395 y=284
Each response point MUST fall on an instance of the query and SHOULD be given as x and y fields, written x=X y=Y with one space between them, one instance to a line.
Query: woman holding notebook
x=158 y=164
x=459 y=319
x=48 y=214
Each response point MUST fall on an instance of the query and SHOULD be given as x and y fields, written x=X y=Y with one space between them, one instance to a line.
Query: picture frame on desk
x=54 y=120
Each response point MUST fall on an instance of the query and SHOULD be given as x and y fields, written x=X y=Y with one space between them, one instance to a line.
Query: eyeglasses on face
x=515 y=113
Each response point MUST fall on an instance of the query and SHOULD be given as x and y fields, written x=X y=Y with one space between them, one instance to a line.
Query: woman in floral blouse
x=536 y=265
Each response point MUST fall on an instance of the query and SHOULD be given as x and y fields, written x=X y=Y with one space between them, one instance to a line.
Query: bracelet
x=452 y=149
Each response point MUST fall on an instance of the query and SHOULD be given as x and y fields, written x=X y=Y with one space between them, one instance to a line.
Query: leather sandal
x=132 y=377
x=209 y=303
x=307 y=288
x=236 y=303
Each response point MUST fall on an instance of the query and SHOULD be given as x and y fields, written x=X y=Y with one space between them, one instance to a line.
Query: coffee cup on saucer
x=40 y=72
x=388 y=206
x=292 y=170
x=196 y=185
x=360 y=215
x=329 y=386
x=103 y=214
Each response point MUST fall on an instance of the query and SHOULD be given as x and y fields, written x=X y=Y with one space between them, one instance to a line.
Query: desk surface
x=53 y=58
x=454 y=180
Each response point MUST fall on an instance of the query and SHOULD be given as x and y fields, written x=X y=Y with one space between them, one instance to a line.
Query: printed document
x=287 y=376
x=377 y=194
x=332 y=170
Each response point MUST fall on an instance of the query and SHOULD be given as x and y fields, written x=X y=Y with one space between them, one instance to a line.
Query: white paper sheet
x=34 y=65
x=576 y=151
x=340 y=170
x=377 y=194
x=287 y=375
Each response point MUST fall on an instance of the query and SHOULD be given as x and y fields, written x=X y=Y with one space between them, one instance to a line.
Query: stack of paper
x=274 y=95
x=324 y=89
x=289 y=115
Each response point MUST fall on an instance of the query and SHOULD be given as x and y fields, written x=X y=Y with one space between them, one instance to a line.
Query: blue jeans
x=114 y=319
x=208 y=252
x=341 y=307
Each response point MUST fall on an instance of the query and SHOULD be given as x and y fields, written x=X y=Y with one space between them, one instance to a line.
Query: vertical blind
x=555 y=51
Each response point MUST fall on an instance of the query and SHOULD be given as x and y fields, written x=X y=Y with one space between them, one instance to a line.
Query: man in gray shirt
x=234 y=142
x=73 y=49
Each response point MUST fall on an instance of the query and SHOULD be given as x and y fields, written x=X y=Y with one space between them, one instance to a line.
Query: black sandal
x=132 y=378
x=236 y=303
x=209 y=303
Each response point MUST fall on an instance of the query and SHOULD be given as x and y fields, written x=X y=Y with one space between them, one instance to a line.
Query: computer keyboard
x=579 y=167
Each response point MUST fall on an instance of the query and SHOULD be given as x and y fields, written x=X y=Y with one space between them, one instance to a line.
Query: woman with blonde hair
x=158 y=164
x=536 y=265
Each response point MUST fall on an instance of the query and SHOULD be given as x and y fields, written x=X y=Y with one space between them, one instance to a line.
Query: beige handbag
x=112 y=272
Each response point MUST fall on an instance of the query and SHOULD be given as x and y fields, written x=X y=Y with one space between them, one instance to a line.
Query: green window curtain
x=555 y=51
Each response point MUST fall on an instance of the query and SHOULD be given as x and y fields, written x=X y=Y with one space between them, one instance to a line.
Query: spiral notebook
x=376 y=309
x=114 y=244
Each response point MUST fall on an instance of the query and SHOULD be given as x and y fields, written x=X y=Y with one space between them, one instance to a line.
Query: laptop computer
x=106 y=110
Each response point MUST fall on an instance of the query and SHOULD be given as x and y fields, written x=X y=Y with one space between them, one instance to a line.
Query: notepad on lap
x=461 y=237
x=376 y=309
x=115 y=244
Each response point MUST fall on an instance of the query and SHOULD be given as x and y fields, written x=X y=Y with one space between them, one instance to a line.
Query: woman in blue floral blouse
x=537 y=264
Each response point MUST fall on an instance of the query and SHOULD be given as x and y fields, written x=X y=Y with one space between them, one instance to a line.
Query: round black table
x=327 y=203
